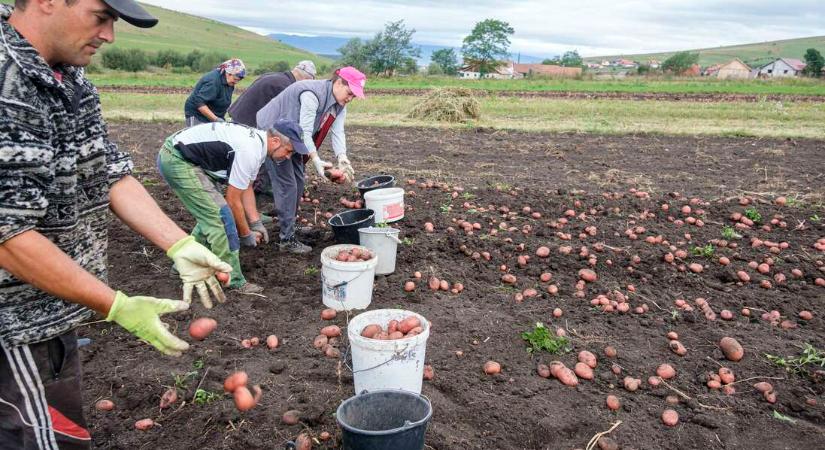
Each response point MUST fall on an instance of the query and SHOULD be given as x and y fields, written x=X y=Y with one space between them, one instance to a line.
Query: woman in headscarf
x=212 y=95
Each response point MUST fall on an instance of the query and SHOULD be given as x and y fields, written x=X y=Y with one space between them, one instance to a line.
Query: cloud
x=543 y=28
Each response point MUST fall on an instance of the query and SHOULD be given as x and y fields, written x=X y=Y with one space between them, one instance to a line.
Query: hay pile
x=447 y=105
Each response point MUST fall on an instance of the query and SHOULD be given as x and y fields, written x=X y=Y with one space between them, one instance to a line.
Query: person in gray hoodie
x=319 y=107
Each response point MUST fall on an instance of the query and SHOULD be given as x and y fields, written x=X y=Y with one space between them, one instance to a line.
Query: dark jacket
x=213 y=91
x=56 y=166
x=259 y=94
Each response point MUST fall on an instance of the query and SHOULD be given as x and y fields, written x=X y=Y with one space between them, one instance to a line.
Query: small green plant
x=798 y=365
x=468 y=196
x=382 y=225
x=541 y=339
x=816 y=218
x=198 y=363
x=706 y=251
x=407 y=241
x=793 y=201
x=311 y=271
x=181 y=380
x=753 y=214
x=445 y=208
x=729 y=233
x=779 y=416
x=674 y=314
x=204 y=397
x=503 y=186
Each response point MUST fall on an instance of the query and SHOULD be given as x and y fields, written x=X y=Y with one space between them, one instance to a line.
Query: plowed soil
x=615 y=185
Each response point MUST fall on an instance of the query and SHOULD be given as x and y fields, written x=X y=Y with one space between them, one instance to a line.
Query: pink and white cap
x=355 y=79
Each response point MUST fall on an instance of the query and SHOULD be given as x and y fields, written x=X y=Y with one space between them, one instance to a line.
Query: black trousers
x=40 y=396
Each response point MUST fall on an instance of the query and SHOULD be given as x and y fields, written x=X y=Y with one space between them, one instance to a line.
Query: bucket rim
x=407 y=426
x=391 y=179
x=370 y=214
x=379 y=230
x=384 y=192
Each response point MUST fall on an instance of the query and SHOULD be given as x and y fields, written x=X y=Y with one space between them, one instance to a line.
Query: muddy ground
x=516 y=409
x=635 y=96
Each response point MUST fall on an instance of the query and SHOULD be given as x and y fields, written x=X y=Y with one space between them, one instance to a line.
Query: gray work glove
x=251 y=239
x=258 y=226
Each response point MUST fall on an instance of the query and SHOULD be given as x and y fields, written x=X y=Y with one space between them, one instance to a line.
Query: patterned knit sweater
x=56 y=167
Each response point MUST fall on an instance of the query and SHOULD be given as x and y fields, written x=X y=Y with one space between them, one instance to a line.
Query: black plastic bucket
x=345 y=225
x=384 y=420
x=376 y=182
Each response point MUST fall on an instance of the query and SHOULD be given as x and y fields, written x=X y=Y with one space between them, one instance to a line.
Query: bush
x=209 y=61
x=170 y=58
x=272 y=66
x=434 y=69
x=131 y=59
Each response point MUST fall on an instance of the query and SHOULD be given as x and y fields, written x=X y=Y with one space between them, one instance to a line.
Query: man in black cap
x=60 y=175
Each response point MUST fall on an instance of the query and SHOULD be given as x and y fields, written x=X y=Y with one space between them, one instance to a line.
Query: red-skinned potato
x=105 y=405
x=429 y=372
x=303 y=442
x=272 y=341
x=291 y=417
x=406 y=325
x=588 y=358
x=168 y=398
x=144 y=424
x=371 y=330
x=320 y=341
x=244 y=400
x=234 y=381
x=492 y=368
x=328 y=314
x=567 y=377
x=731 y=349
x=222 y=277
x=331 y=331
x=201 y=328
x=613 y=402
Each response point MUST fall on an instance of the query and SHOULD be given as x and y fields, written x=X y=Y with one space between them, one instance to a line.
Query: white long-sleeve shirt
x=309 y=106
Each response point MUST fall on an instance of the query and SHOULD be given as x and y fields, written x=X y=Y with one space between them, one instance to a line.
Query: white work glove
x=346 y=167
x=197 y=267
x=258 y=226
x=320 y=166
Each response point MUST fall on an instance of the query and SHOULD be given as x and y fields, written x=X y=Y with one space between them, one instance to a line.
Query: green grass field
x=184 y=33
x=761 y=119
x=757 y=53
x=796 y=86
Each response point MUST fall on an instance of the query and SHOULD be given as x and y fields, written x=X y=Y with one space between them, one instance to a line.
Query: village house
x=735 y=69
x=781 y=67
x=502 y=72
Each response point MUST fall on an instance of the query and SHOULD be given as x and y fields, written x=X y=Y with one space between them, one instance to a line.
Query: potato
x=144 y=424
x=555 y=368
x=272 y=341
x=546 y=277
x=332 y=352
x=429 y=372
x=587 y=358
x=234 y=381
x=678 y=348
x=434 y=283
x=695 y=267
x=104 y=405
x=291 y=417
x=492 y=368
x=654 y=381
x=444 y=285
x=371 y=330
x=328 y=314
x=726 y=375
x=243 y=399
x=567 y=377
x=613 y=402
x=320 y=341
x=331 y=331
x=201 y=328
x=731 y=348
x=396 y=335
x=670 y=417
x=429 y=227
x=666 y=371
x=168 y=398
x=222 y=277
x=584 y=371
x=588 y=275
x=508 y=278
x=610 y=352
x=763 y=387
x=543 y=371
x=303 y=442
x=324 y=436
x=406 y=325
x=254 y=341
x=631 y=384
x=409 y=286
x=543 y=252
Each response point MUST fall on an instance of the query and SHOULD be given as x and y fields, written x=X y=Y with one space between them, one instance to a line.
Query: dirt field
x=516 y=409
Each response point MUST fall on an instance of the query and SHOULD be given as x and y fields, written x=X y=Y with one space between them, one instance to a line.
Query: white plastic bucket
x=378 y=364
x=346 y=285
x=387 y=203
x=383 y=242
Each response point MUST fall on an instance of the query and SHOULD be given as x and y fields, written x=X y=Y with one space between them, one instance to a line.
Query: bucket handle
x=383 y=363
x=393 y=237
x=407 y=424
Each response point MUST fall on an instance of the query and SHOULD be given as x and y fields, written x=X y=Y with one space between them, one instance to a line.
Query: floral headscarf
x=233 y=66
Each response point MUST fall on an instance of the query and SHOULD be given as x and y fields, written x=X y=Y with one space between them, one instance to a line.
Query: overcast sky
x=542 y=28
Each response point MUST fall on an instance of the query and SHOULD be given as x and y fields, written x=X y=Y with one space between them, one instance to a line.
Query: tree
x=487 y=44
x=434 y=69
x=555 y=61
x=572 y=59
x=131 y=59
x=680 y=62
x=390 y=50
x=353 y=53
x=446 y=60
x=815 y=62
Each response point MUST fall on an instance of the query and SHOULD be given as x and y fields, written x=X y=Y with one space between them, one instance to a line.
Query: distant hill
x=752 y=54
x=185 y=32
x=329 y=45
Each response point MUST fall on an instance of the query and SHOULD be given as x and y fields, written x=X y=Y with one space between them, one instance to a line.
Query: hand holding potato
x=197 y=267
x=345 y=166
x=320 y=165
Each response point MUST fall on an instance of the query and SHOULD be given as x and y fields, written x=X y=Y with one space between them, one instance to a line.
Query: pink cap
x=355 y=79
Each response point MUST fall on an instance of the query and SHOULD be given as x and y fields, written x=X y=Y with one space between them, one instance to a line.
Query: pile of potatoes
x=354 y=254
x=408 y=327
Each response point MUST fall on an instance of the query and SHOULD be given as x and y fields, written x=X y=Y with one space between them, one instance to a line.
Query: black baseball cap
x=293 y=131
x=132 y=12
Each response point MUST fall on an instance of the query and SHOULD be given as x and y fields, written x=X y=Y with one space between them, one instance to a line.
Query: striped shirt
x=56 y=167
